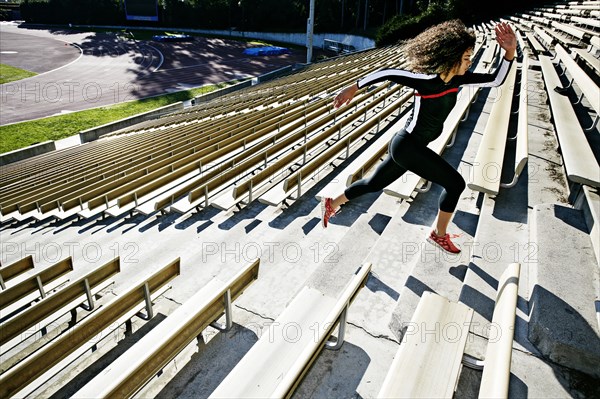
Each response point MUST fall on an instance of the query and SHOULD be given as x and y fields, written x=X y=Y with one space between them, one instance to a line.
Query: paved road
x=108 y=69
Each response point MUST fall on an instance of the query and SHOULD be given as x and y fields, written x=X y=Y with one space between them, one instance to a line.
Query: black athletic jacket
x=434 y=99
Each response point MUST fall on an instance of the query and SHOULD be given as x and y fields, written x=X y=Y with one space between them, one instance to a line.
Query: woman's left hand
x=506 y=37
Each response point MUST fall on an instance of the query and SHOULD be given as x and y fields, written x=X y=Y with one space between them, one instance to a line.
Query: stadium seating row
x=285 y=361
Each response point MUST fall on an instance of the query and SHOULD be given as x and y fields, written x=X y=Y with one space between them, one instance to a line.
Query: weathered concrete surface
x=563 y=324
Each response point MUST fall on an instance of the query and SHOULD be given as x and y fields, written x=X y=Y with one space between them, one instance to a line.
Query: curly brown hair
x=439 y=48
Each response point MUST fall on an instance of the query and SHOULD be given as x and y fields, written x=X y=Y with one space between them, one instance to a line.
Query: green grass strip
x=24 y=134
x=10 y=74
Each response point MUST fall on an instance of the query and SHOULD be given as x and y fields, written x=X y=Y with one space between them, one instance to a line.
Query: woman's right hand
x=345 y=96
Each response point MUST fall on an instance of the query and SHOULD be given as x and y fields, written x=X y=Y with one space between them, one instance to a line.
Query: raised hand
x=506 y=37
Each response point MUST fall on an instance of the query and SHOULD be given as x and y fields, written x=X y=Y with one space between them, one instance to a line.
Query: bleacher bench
x=276 y=364
x=522 y=137
x=487 y=166
x=496 y=369
x=26 y=376
x=68 y=297
x=132 y=370
x=37 y=282
x=428 y=361
x=15 y=269
x=585 y=83
x=579 y=161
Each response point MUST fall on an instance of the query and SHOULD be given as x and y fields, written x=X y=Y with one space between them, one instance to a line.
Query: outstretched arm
x=398 y=76
x=345 y=96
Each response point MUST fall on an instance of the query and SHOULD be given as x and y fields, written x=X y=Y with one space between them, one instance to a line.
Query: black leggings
x=405 y=153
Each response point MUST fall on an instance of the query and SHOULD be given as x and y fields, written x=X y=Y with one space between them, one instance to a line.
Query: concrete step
x=563 y=322
x=392 y=257
x=433 y=270
x=501 y=238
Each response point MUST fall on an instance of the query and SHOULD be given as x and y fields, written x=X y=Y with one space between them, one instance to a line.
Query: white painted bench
x=132 y=370
x=428 y=361
x=562 y=37
x=496 y=369
x=522 y=137
x=544 y=36
x=571 y=30
x=537 y=46
x=579 y=161
x=594 y=23
x=587 y=55
x=276 y=364
x=487 y=165
x=586 y=84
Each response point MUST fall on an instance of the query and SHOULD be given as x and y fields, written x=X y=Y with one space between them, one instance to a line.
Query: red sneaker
x=327 y=211
x=444 y=242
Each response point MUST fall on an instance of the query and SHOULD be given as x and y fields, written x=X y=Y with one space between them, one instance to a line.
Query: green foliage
x=405 y=26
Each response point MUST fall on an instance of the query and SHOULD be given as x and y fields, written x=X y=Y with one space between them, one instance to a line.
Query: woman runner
x=439 y=59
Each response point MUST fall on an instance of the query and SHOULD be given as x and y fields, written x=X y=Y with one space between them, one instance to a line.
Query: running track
x=85 y=70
